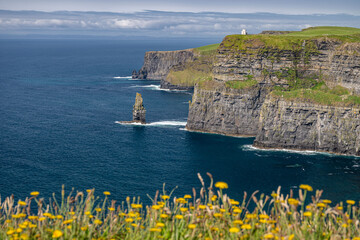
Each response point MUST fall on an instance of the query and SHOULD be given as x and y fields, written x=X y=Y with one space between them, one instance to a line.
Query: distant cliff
x=157 y=64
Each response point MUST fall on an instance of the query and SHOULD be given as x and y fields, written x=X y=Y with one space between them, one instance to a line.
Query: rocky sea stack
x=139 y=111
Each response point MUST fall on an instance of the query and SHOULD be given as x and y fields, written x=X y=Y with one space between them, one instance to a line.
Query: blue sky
x=170 y=18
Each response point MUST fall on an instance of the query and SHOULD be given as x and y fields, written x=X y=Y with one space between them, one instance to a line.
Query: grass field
x=208 y=214
x=325 y=31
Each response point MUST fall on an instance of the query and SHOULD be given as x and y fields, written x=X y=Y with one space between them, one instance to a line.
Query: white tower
x=243 y=32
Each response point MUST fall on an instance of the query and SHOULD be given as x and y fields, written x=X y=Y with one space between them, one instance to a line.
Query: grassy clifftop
x=291 y=40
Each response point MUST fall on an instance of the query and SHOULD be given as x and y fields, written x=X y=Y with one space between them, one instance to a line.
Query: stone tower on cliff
x=139 y=110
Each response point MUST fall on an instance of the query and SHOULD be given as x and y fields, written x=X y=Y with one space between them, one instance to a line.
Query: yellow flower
x=202 y=207
x=340 y=208
x=239 y=222
x=42 y=219
x=183 y=209
x=88 y=190
x=307 y=214
x=156 y=207
x=350 y=202
x=246 y=226
x=59 y=217
x=164 y=197
x=237 y=210
x=274 y=195
x=111 y=209
x=129 y=220
x=84 y=228
x=179 y=216
x=33 y=217
x=181 y=200
x=87 y=213
x=68 y=221
x=160 y=225
x=22 y=203
x=326 y=201
x=269 y=236
x=293 y=201
x=164 y=215
x=10 y=232
x=234 y=230
x=72 y=213
x=47 y=214
x=264 y=216
x=106 y=193
x=344 y=225
x=306 y=187
x=98 y=209
x=155 y=230
x=322 y=205
x=221 y=185
x=57 y=234
x=217 y=215
x=187 y=196
x=97 y=221
x=233 y=202
x=191 y=226
x=34 y=194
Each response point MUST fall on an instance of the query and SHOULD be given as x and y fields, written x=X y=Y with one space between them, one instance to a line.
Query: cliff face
x=308 y=126
x=157 y=64
x=226 y=111
x=325 y=58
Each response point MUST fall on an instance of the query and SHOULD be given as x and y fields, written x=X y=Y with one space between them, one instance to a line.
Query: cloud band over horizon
x=160 y=23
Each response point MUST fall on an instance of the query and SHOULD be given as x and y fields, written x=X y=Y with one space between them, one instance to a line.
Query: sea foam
x=159 y=123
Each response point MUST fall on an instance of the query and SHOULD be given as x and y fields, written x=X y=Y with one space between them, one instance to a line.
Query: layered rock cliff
x=308 y=126
x=157 y=64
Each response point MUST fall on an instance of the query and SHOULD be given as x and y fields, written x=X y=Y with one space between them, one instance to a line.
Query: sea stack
x=139 y=110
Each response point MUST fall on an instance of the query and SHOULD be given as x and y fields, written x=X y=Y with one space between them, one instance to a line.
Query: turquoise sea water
x=59 y=100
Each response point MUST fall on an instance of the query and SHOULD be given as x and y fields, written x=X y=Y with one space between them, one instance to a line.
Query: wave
x=160 y=123
x=303 y=152
x=123 y=77
x=157 y=87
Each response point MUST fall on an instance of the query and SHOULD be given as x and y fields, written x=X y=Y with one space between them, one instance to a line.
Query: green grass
x=321 y=94
x=188 y=77
x=241 y=84
x=324 y=31
x=207 y=49
x=291 y=41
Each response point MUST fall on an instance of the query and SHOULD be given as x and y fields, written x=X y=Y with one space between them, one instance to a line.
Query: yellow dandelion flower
x=155 y=230
x=59 y=217
x=33 y=217
x=10 y=232
x=179 y=216
x=181 y=200
x=340 y=208
x=269 y=236
x=22 y=203
x=202 y=207
x=132 y=215
x=87 y=213
x=321 y=205
x=222 y=210
x=293 y=201
x=350 y=202
x=165 y=197
x=344 y=225
x=129 y=220
x=217 y=215
x=326 y=201
x=156 y=207
x=307 y=214
x=83 y=228
x=35 y=193
x=187 y=196
x=215 y=229
x=97 y=221
x=306 y=187
x=221 y=185
x=160 y=225
x=246 y=226
x=233 y=202
x=183 y=209
x=134 y=225
x=42 y=219
x=191 y=226
x=57 y=234
x=111 y=209
x=164 y=215
x=263 y=216
x=68 y=221
x=106 y=193
x=238 y=222
x=237 y=210
x=234 y=230
x=274 y=195
x=98 y=209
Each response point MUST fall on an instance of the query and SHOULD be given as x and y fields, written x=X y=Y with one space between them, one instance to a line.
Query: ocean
x=60 y=100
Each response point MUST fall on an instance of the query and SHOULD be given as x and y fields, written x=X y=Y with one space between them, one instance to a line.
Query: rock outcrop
x=226 y=111
x=139 y=111
x=308 y=126
x=157 y=64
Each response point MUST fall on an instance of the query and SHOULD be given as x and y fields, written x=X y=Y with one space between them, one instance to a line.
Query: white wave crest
x=157 y=87
x=304 y=152
x=123 y=77
x=160 y=123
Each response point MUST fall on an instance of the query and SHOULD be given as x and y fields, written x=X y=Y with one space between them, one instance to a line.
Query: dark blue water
x=59 y=102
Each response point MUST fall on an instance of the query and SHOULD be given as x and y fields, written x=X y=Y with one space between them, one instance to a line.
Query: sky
x=170 y=18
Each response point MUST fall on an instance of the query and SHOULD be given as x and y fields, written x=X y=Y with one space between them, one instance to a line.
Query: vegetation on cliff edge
x=209 y=214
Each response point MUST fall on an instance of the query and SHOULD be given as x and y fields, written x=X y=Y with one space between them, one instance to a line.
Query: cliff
x=308 y=126
x=157 y=64
x=318 y=74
